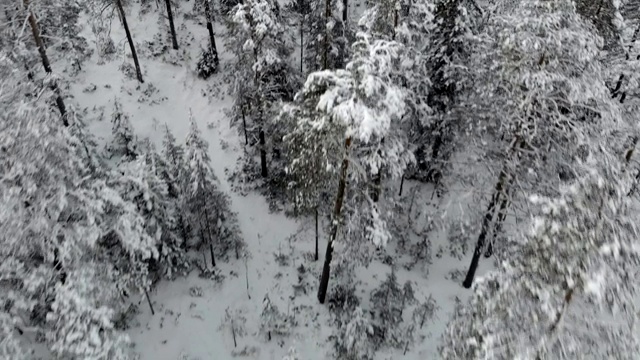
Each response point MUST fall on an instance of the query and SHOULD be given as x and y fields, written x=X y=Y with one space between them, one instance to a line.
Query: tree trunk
x=342 y=185
x=401 y=185
x=345 y=11
x=233 y=333
x=244 y=126
x=316 y=254
x=488 y=218
x=212 y=37
x=486 y=223
x=35 y=30
x=130 y=40
x=208 y=221
x=502 y=215
x=302 y=16
x=149 y=301
x=263 y=154
x=174 y=39
x=325 y=50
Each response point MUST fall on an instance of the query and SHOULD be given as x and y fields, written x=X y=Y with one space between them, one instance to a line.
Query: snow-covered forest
x=319 y=179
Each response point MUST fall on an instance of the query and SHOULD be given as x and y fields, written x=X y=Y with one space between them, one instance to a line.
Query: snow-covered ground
x=191 y=327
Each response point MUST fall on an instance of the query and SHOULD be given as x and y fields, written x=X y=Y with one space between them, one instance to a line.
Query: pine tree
x=358 y=105
x=262 y=75
x=565 y=292
x=552 y=99
x=174 y=38
x=124 y=141
x=200 y=186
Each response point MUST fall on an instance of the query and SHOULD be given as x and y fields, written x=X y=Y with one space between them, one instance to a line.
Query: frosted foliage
x=364 y=99
x=566 y=294
x=200 y=175
x=357 y=337
x=84 y=328
x=292 y=354
x=58 y=219
x=9 y=345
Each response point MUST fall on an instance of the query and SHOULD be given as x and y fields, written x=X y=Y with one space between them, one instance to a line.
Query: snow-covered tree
x=201 y=190
x=553 y=103
x=59 y=222
x=388 y=302
x=357 y=105
x=261 y=75
x=565 y=293
x=356 y=340
x=124 y=141
x=327 y=43
x=448 y=55
x=273 y=322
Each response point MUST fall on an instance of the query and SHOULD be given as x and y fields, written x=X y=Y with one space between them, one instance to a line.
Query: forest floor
x=189 y=324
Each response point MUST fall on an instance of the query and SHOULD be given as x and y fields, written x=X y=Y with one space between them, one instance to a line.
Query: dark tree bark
x=174 y=38
x=263 y=154
x=325 y=47
x=212 y=37
x=316 y=257
x=342 y=185
x=499 y=191
x=302 y=16
x=486 y=223
x=401 y=185
x=502 y=215
x=35 y=30
x=149 y=302
x=345 y=12
x=209 y=220
x=244 y=126
x=130 y=40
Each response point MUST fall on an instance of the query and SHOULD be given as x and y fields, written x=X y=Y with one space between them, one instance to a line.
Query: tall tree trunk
x=174 y=39
x=35 y=30
x=316 y=254
x=345 y=11
x=130 y=40
x=486 y=223
x=325 y=47
x=302 y=16
x=244 y=126
x=263 y=154
x=401 y=185
x=149 y=302
x=488 y=218
x=212 y=37
x=208 y=221
x=502 y=215
x=335 y=221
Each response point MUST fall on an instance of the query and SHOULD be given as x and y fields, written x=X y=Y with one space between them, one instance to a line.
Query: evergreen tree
x=262 y=75
x=200 y=190
x=565 y=291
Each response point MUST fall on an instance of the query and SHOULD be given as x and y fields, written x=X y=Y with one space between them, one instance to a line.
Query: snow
x=189 y=327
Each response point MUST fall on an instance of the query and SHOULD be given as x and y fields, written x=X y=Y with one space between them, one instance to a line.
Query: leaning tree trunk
x=488 y=219
x=502 y=215
x=130 y=40
x=316 y=254
x=486 y=223
x=342 y=185
x=174 y=39
x=35 y=30
x=212 y=37
x=263 y=154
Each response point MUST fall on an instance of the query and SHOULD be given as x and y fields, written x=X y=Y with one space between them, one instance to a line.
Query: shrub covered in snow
x=207 y=64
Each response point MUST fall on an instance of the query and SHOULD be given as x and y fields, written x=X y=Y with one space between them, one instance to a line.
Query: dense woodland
x=343 y=110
